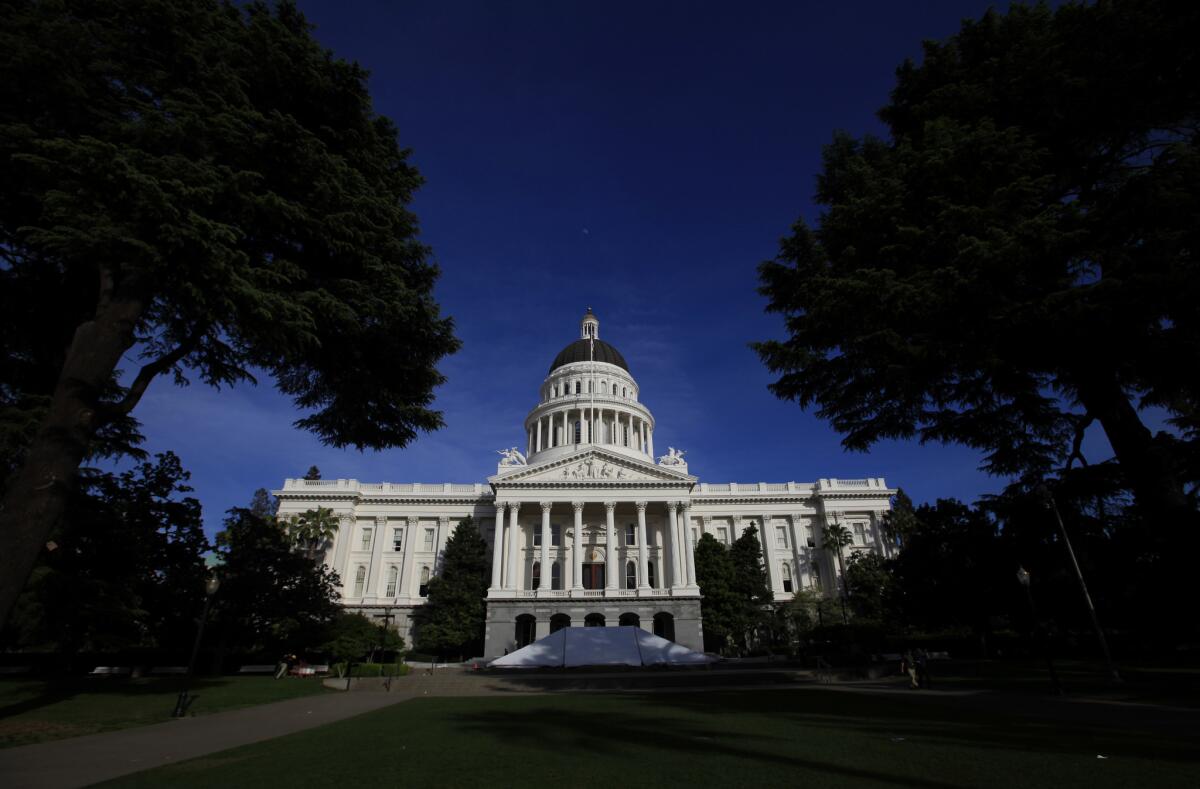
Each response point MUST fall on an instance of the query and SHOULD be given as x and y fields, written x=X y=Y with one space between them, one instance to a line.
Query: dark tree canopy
x=203 y=185
x=452 y=620
x=1016 y=259
x=720 y=607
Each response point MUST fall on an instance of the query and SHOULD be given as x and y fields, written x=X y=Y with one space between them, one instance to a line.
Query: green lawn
x=35 y=711
x=808 y=738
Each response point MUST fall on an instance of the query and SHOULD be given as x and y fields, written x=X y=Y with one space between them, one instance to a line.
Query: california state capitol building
x=586 y=525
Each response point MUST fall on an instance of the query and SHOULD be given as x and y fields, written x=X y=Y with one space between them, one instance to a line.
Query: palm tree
x=835 y=537
x=313 y=529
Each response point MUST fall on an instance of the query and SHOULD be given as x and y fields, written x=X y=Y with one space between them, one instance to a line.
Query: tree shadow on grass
x=53 y=692
x=613 y=733
x=1043 y=726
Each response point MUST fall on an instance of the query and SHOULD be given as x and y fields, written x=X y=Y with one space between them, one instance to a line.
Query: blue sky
x=640 y=158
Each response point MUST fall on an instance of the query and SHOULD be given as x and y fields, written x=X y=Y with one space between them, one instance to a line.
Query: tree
x=835 y=537
x=202 y=185
x=313 y=530
x=869 y=587
x=264 y=505
x=313 y=473
x=900 y=520
x=124 y=568
x=452 y=620
x=720 y=609
x=354 y=637
x=750 y=583
x=1015 y=261
x=271 y=597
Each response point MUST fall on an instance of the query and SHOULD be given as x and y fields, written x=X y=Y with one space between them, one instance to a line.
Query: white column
x=497 y=546
x=767 y=535
x=544 y=580
x=566 y=438
x=612 y=564
x=439 y=544
x=341 y=546
x=796 y=566
x=375 y=574
x=514 y=545
x=689 y=550
x=672 y=555
x=577 y=548
x=411 y=526
x=650 y=441
x=643 y=549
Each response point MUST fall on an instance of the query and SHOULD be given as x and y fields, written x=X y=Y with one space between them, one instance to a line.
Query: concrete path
x=81 y=761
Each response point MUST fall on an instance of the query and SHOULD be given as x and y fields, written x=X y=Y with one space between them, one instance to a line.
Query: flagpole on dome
x=592 y=384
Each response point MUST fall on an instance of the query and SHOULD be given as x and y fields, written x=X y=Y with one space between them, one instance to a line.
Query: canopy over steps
x=601 y=646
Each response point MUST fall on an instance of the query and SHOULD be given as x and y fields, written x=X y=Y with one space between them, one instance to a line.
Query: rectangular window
x=429 y=539
x=780 y=537
x=787 y=585
x=397 y=540
x=365 y=543
x=537 y=538
x=555 y=535
x=860 y=533
x=722 y=535
x=360 y=580
x=631 y=535
x=393 y=574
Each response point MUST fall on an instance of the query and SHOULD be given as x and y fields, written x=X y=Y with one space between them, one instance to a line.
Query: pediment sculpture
x=512 y=457
x=595 y=469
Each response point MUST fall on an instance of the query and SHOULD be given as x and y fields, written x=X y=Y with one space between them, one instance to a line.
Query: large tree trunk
x=38 y=492
x=1146 y=462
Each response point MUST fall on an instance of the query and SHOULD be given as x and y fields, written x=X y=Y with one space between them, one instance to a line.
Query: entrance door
x=593 y=575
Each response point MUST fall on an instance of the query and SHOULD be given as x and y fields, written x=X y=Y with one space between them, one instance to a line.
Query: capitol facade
x=586 y=525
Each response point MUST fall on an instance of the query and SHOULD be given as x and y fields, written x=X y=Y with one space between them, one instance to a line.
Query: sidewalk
x=81 y=761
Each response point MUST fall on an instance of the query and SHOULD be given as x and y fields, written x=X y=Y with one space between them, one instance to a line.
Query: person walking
x=907 y=666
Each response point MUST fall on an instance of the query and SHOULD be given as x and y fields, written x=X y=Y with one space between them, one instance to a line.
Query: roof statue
x=512 y=457
x=674 y=457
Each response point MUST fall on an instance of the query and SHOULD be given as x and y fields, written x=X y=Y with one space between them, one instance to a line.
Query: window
x=556 y=575
x=576 y=387
x=397 y=540
x=631 y=535
x=364 y=543
x=650 y=575
x=555 y=535
x=604 y=387
x=535 y=579
x=787 y=577
x=393 y=576
x=626 y=428
x=816 y=576
x=424 y=590
x=624 y=392
x=722 y=535
x=360 y=580
x=537 y=538
x=630 y=575
x=780 y=537
x=811 y=544
x=577 y=432
x=591 y=386
x=429 y=539
x=860 y=533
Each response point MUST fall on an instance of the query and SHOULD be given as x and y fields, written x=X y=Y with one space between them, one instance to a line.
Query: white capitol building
x=586 y=526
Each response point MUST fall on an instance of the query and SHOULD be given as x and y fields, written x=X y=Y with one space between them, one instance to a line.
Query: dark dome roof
x=578 y=352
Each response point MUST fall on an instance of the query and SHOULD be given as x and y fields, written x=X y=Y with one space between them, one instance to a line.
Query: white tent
x=600 y=646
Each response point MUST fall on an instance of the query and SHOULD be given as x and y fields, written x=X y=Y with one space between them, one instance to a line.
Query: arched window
x=593 y=620
x=558 y=622
x=578 y=429
x=650 y=575
x=424 y=590
x=630 y=619
x=631 y=535
x=624 y=392
x=630 y=575
x=664 y=625
x=556 y=575
x=576 y=387
x=360 y=580
x=526 y=628
x=536 y=576
x=787 y=577
x=393 y=576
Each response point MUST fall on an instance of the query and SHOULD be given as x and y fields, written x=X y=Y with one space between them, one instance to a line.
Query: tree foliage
x=452 y=620
x=1015 y=260
x=352 y=636
x=313 y=530
x=203 y=185
x=125 y=568
x=720 y=607
x=272 y=597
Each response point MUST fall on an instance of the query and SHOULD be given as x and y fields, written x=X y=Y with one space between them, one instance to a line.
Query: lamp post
x=1048 y=498
x=384 y=623
x=1024 y=579
x=181 y=704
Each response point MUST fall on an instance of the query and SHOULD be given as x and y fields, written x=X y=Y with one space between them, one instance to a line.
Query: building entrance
x=593 y=575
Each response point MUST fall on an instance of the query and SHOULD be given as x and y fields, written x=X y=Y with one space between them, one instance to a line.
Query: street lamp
x=181 y=704
x=1047 y=497
x=1023 y=578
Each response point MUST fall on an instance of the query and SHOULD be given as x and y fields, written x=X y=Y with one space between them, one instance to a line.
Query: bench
x=264 y=669
x=111 y=671
x=309 y=671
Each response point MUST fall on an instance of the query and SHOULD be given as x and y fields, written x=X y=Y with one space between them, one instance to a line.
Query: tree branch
x=147 y=374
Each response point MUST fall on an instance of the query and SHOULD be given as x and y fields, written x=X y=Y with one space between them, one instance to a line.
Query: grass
x=805 y=737
x=37 y=711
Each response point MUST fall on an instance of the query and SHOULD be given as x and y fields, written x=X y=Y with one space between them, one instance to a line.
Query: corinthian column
x=514 y=545
x=612 y=566
x=643 y=549
x=497 y=546
x=689 y=553
x=669 y=561
x=544 y=578
x=577 y=548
